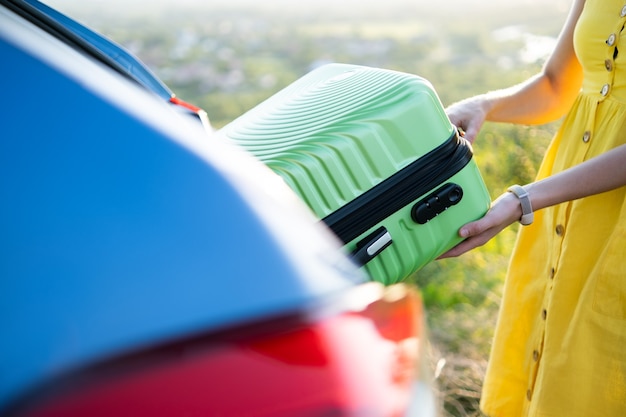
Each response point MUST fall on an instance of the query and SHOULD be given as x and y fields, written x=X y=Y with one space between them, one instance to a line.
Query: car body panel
x=147 y=268
x=111 y=210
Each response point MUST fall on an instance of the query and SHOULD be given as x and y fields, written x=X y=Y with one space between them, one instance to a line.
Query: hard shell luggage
x=373 y=154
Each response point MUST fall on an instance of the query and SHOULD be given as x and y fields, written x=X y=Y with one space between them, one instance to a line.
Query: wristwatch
x=524 y=199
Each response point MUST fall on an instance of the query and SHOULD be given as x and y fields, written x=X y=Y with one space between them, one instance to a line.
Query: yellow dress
x=560 y=343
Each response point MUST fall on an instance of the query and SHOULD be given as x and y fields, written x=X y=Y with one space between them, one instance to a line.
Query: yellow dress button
x=611 y=40
x=608 y=64
x=544 y=314
x=623 y=12
x=559 y=230
x=535 y=356
x=529 y=395
x=552 y=273
x=587 y=137
x=605 y=90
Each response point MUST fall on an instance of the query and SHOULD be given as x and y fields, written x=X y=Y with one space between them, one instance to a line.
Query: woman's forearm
x=597 y=175
x=543 y=98
x=536 y=101
x=548 y=95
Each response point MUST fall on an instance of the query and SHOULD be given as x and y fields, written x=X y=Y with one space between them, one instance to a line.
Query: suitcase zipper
x=401 y=189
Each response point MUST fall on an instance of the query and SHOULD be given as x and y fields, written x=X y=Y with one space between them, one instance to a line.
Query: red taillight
x=356 y=363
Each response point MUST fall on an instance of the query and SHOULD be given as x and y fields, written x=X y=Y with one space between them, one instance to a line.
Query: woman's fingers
x=474 y=235
x=503 y=212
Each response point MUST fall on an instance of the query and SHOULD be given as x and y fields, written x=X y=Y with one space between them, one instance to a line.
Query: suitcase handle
x=372 y=245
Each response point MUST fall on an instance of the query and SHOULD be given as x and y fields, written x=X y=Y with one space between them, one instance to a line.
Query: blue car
x=147 y=269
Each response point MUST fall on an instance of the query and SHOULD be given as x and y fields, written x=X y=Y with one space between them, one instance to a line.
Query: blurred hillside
x=227 y=56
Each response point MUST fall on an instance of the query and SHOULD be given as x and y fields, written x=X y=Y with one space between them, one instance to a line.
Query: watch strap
x=524 y=199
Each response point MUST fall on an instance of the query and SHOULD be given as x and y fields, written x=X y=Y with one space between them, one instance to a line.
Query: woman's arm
x=597 y=175
x=541 y=99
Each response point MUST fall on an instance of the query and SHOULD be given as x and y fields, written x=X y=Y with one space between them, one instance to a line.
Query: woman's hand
x=468 y=115
x=503 y=212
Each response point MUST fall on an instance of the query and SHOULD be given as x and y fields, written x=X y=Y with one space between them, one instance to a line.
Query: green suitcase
x=373 y=154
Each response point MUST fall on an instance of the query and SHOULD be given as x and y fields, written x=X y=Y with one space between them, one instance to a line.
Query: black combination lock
x=436 y=203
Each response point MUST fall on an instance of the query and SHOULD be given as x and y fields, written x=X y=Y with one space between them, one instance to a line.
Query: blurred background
x=228 y=55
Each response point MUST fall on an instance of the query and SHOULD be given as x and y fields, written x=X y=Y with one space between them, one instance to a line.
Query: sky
x=466 y=12
x=450 y=2
x=453 y=4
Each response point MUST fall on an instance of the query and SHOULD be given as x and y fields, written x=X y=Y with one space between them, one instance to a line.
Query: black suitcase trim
x=401 y=189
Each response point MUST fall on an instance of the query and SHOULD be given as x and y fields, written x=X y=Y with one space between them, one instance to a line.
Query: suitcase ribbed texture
x=343 y=130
